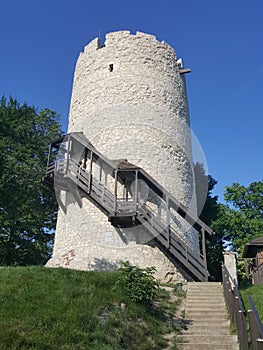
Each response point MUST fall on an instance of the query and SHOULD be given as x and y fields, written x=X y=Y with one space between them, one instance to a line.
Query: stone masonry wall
x=130 y=101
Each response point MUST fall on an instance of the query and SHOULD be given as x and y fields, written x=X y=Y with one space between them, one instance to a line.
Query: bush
x=138 y=284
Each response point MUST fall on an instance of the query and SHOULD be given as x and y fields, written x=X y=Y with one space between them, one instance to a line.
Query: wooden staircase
x=70 y=167
x=208 y=326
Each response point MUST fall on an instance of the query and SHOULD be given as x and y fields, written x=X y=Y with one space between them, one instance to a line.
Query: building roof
x=251 y=247
x=123 y=164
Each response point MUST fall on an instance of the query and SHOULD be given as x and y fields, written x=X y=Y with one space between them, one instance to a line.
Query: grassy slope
x=256 y=292
x=44 y=308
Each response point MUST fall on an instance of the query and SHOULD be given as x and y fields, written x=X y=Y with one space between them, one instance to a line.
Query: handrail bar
x=235 y=307
x=234 y=283
x=190 y=249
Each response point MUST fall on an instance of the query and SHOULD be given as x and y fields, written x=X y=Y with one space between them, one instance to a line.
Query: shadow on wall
x=103 y=265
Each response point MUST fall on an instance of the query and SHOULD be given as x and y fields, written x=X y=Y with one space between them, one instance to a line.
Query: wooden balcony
x=118 y=188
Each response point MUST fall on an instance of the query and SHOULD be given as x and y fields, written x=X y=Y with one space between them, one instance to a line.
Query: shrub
x=138 y=283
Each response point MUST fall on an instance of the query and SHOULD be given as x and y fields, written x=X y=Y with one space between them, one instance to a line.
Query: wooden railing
x=256 y=327
x=235 y=307
x=258 y=275
x=192 y=259
x=67 y=171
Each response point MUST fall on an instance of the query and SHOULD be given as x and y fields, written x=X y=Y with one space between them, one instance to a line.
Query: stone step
x=210 y=318
x=207 y=346
x=211 y=299
x=205 y=295
x=206 y=291
x=205 y=302
x=199 y=313
x=211 y=331
x=207 y=326
x=208 y=302
x=200 y=338
x=210 y=311
x=203 y=290
x=205 y=308
x=205 y=317
x=190 y=284
x=208 y=323
x=208 y=287
x=206 y=314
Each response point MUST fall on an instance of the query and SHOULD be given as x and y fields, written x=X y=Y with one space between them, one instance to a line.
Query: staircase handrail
x=235 y=307
x=71 y=168
x=181 y=209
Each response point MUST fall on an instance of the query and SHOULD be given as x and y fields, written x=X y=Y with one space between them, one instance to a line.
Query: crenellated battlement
x=94 y=45
x=121 y=37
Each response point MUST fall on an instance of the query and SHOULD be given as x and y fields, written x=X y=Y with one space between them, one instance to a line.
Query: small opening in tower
x=111 y=67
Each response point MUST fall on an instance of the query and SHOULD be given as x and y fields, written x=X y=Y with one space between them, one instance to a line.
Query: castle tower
x=129 y=99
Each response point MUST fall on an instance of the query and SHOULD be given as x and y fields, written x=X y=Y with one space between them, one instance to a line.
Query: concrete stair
x=208 y=327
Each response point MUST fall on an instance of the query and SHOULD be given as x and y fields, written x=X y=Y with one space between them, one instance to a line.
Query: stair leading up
x=208 y=326
x=74 y=164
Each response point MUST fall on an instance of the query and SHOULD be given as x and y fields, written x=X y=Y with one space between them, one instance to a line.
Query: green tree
x=208 y=208
x=207 y=205
x=27 y=207
x=241 y=219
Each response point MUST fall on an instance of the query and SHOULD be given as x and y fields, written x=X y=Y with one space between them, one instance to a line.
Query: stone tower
x=129 y=99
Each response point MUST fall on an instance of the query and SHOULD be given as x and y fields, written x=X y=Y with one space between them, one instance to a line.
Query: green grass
x=43 y=308
x=256 y=293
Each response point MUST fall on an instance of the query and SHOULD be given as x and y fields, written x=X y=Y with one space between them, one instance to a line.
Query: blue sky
x=221 y=41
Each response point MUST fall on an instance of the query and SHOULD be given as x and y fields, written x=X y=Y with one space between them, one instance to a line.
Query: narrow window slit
x=111 y=67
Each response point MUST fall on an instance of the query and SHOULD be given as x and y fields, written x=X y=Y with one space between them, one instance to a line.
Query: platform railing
x=69 y=169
